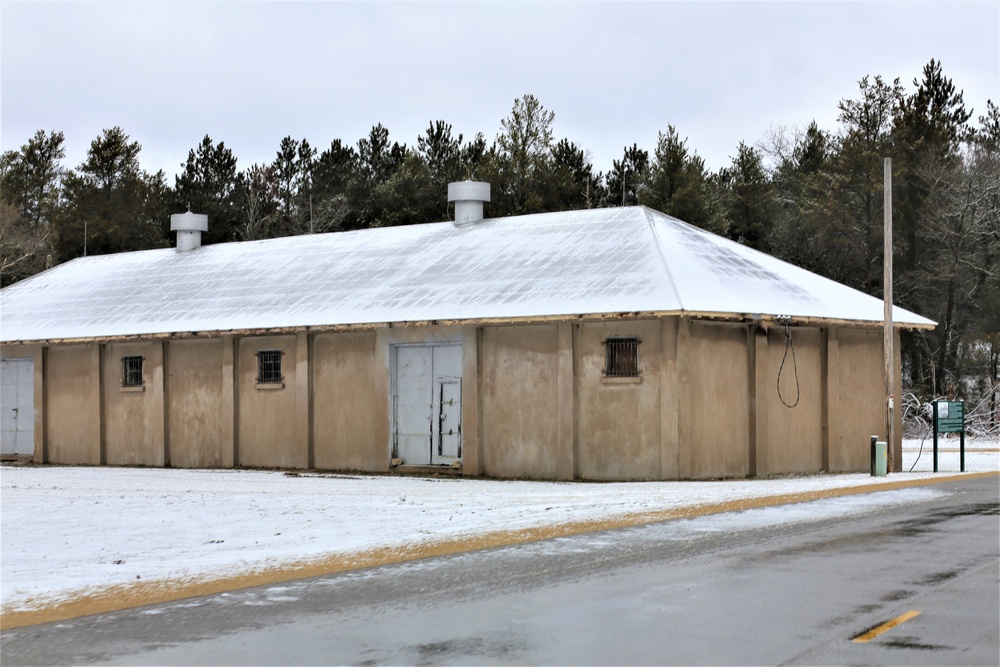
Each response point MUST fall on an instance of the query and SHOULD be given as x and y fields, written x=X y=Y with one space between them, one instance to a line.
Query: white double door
x=427 y=409
x=17 y=406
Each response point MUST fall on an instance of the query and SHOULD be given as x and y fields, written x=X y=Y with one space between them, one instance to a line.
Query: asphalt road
x=783 y=585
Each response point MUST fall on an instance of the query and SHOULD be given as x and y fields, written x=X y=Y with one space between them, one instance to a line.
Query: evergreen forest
x=811 y=196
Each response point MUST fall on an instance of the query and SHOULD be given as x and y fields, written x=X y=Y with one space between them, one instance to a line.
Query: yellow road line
x=888 y=625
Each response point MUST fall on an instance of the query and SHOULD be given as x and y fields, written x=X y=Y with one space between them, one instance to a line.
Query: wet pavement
x=763 y=586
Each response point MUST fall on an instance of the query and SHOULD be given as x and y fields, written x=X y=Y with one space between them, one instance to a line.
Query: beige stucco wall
x=794 y=437
x=73 y=405
x=347 y=407
x=856 y=400
x=272 y=419
x=714 y=400
x=519 y=403
x=535 y=403
x=133 y=416
x=472 y=464
x=618 y=419
x=196 y=406
x=17 y=351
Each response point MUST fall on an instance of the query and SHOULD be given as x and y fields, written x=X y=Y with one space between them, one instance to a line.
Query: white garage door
x=17 y=406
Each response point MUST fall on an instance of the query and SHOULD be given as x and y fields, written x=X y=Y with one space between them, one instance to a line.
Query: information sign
x=949 y=417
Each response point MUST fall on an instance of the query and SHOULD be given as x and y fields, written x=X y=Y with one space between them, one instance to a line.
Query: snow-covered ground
x=69 y=531
x=980 y=455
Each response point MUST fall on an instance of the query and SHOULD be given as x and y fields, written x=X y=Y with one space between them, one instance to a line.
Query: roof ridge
x=659 y=251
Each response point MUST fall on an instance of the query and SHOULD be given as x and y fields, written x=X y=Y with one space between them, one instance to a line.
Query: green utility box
x=880 y=459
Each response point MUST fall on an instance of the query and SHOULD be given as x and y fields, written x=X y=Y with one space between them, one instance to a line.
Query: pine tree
x=334 y=174
x=30 y=192
x=475 y=154
x=378 y=160
x=30 y=177
x=111 y=204
x=292 y=171
x=800 y=184
x=208 y=185
x=929 y=126
x=852 y=206
x=257 y=197
x=627 y=178
x=409 y=196
x=523 y=153
x=676 y=181
x=571 y=181
x=749 y=205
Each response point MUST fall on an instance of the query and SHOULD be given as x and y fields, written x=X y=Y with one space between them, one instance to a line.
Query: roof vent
x=189 y=227
x=469 y=197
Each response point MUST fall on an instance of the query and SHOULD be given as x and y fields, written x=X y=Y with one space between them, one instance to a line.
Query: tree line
x=808 y=195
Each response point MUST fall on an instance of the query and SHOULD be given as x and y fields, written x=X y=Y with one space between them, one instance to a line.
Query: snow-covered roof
x=603 y=261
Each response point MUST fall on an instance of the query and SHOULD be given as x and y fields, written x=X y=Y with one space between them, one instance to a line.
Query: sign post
x=949 y=417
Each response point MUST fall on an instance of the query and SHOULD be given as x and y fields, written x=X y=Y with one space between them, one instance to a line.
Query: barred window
x=132 y=371
x=621 y=356
x=269 y=367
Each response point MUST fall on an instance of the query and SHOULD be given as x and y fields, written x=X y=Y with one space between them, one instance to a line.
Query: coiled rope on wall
x=789 y=345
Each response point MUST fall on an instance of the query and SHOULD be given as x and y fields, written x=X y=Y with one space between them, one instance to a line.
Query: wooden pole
x=887 y=341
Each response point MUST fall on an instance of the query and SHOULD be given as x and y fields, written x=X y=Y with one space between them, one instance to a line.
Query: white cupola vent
x=189 y=227
x=469 y=197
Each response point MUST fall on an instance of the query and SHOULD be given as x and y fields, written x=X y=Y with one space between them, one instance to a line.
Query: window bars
x=269 y=367
x=132 y=371
x=621 y=356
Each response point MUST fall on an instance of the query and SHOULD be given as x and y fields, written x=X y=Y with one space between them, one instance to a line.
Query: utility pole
x=887 y=338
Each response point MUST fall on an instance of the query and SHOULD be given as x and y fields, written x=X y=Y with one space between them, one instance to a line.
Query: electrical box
x=880 y=459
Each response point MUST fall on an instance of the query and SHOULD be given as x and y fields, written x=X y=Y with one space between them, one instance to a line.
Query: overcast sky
x=614 y=73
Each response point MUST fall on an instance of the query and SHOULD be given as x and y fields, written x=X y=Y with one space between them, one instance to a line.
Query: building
x=615 y=344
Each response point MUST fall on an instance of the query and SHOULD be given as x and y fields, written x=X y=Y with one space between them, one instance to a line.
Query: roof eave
x=528 y=319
